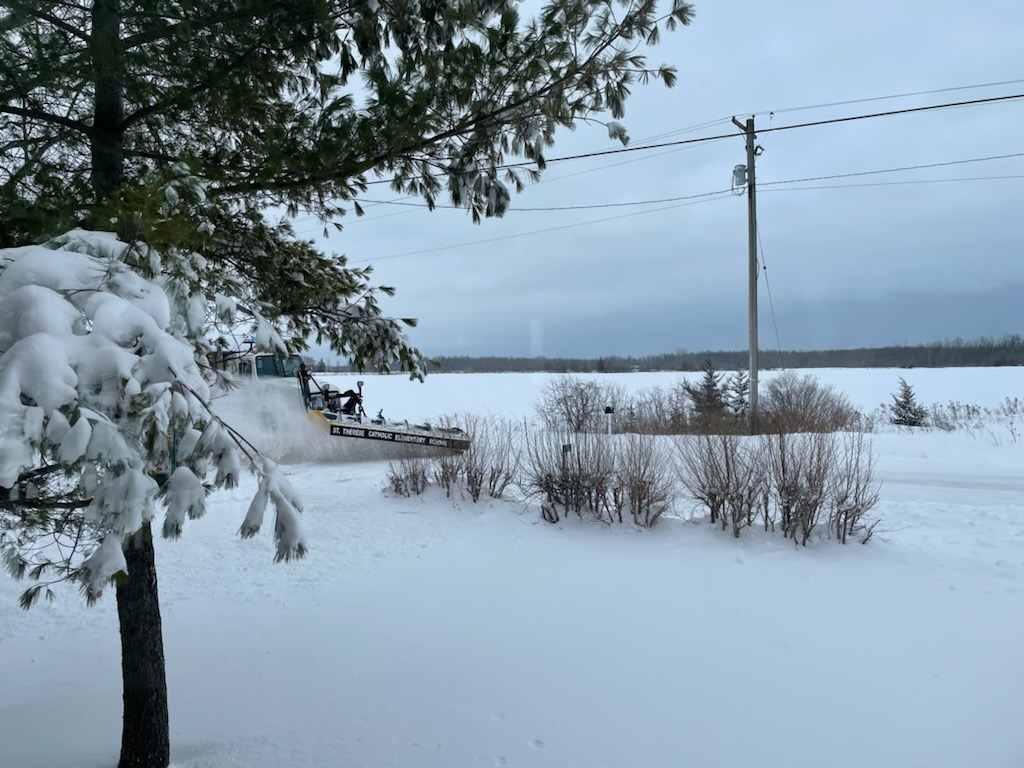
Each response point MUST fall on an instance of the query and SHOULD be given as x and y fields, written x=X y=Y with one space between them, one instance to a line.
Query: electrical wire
x=776 y=129
x=644 y=144
x=522 y=209
x=789 y=181
x=893 y=170
x=890 y=96
x=583 y=207
x=705 y=198
x=692 y=200
x=549 y=179
x=545 y=180
x=706 y=139
x=893 y=183
x=365 y=204
x=768 y=287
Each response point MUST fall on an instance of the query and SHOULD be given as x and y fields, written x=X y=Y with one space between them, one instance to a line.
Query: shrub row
x=789 y=402
x=790 y=482
x=798 y=484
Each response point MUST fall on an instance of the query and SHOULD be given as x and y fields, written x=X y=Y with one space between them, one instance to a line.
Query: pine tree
x=905 y=410
x=707 y=398
x=178 y=122
x=738 y=394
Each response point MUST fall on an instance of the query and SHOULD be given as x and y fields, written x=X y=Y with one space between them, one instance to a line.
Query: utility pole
x=748 y=130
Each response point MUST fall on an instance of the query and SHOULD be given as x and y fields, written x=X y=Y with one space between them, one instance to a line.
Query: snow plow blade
x=456 y=441
x=349 y=419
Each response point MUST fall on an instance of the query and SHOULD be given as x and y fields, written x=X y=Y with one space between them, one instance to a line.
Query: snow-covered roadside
x=425 y=633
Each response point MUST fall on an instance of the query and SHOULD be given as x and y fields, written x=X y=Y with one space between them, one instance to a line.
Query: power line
x=582 y=207
x=690 y=129
x=708 y=197
x=706 y=139
x=368 y=204
x=631 y=203
x=705 y=198
x=894 y=183
x=890 y=96
x=684 y=142
x=721 y=137
x=544 y=180
x=847 y=102
x=549 y=179
x=892 y=170
x=599 y=153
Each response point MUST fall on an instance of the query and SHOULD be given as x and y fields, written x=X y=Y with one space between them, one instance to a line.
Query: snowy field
x=437 y=633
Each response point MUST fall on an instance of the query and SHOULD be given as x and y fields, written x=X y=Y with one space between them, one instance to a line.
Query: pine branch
x=47 y=118
x=35 y=12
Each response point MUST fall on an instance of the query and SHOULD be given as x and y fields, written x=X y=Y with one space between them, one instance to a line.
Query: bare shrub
x=408 y=475
x=448 y=465
x=853 y=490
x=492 y=462
x=575 y=405
x=574 y=481
x=800 y=467
x=747 y=483
x=642 y=487
x=656 y=411
x=800 y=403
x=701 y=471
x=447 y=470
x=506 y=458
x=784 y=463
x=796 y=481
x=677 y=408
x=725 y=472
x=1011 y=414
x=1003 y=422
x=819 y=466
x=870 y=421
x=941 y=419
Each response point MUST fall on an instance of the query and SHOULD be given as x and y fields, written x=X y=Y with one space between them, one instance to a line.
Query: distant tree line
x=955 y=353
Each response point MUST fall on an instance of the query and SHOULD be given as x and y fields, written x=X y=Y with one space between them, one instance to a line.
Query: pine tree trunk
x=107 y=140
x=145 y=735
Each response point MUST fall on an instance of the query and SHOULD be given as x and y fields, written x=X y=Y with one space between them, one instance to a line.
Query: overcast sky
x=849 y=266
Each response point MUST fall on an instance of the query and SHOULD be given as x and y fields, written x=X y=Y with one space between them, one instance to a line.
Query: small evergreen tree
x=905 y=411
x=738 y=394
x=707 y=397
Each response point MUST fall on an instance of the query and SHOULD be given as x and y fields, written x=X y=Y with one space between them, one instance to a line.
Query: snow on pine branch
x=99 y=372
x=274 y=486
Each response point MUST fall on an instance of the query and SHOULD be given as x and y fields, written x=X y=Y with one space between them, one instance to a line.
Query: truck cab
x=258 y=365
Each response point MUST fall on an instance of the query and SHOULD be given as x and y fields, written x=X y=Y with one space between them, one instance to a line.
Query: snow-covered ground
x=437 y=633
